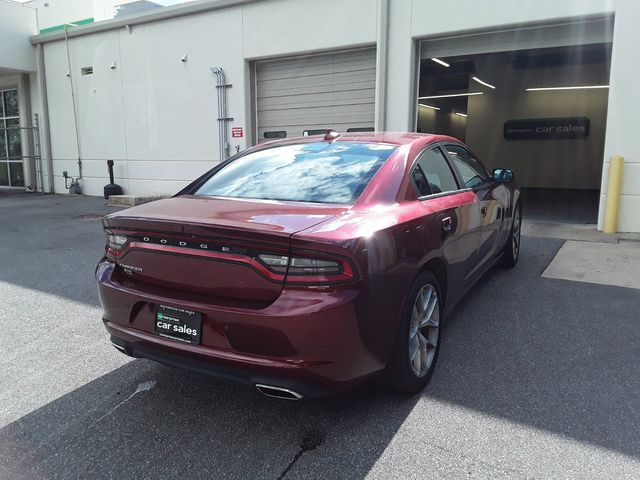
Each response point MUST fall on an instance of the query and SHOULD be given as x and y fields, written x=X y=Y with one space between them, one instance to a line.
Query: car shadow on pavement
x=189 y=426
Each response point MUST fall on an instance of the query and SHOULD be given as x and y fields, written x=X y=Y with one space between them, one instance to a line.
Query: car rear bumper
x=138 y=348
x=313 y=342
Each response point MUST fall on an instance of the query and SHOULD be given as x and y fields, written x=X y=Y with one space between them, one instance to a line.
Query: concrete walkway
x=589 y=255
x=594 y=262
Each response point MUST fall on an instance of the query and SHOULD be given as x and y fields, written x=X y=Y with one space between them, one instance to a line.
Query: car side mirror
x=503 y=175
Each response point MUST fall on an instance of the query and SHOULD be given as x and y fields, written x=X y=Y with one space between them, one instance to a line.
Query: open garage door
x=533 y=100
x=308 y=95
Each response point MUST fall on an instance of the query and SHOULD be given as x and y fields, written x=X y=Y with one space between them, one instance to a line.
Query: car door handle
x=483 y=211
x=447 y=224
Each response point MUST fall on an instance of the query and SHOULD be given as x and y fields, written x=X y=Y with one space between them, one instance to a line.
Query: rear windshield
x=319 y=172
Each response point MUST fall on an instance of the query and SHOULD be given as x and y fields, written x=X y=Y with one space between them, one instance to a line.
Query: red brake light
x=309 y=270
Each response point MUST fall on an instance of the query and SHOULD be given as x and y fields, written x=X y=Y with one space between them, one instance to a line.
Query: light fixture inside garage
x=577 y=87
x=441 y=62
x=461 y=114
x=451 y=95
x=432 y=107
x=483 y=83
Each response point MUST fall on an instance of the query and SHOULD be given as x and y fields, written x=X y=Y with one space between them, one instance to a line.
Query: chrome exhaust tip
x=121 y=348
x=278 y=392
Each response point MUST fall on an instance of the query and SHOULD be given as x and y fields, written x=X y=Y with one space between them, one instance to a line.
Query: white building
x=140 y=90
x=54 y=14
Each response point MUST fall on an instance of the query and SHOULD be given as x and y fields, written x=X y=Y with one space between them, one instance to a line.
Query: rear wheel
x=511 y=250
x=418 y=340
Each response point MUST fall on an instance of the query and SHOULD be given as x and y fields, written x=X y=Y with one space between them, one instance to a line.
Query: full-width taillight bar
x=300 y=268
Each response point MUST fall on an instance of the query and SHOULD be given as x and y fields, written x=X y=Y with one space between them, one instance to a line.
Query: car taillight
x=115 y=244
x=314 y=266
x=275 y=263
x=305 y=270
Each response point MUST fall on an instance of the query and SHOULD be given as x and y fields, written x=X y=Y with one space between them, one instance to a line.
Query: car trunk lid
x=210 y=245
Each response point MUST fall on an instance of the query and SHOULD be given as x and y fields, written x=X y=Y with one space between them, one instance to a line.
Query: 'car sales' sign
x=546 y=128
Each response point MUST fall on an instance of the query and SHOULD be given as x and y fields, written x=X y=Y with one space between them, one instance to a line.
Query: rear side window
x=432 y=173
x=318 y=172
x=471 y=170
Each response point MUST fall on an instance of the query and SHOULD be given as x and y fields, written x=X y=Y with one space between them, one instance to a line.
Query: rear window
x=318 y=172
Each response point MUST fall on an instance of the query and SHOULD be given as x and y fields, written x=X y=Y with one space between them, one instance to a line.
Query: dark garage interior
x=540 y=112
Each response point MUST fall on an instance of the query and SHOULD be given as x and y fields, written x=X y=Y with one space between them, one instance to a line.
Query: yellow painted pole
x=613 y=195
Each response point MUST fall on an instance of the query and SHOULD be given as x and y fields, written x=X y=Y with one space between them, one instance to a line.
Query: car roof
x=393 y=138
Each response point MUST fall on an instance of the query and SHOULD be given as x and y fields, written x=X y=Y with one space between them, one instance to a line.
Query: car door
x=474 y=175
x=456 y=217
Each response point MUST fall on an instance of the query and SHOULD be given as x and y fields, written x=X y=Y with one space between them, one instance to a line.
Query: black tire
x=401 y=375
x=511 y=251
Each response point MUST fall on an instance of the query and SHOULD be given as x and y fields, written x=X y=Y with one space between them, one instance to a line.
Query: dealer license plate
x=178 y=324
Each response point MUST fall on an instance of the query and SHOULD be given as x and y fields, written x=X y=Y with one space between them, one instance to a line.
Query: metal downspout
x=44 y=125
x=223 y=119
x=73 y=99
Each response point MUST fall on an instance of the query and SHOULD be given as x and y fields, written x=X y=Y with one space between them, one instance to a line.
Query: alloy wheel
x=424 y=330
x=515 y=233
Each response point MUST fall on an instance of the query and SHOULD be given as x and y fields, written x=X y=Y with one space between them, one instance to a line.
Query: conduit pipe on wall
x=612 y=205
x=73 y=104
x=221 y=90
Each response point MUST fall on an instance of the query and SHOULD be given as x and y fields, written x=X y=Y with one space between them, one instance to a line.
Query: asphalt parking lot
x=537 y=378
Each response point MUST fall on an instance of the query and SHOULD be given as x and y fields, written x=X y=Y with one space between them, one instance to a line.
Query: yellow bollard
x=613 y=195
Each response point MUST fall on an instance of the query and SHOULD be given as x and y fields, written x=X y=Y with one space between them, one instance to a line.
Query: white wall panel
x=622 y=115
x=99 y=97
x=590 y=31
x=285 y=27
x=59 y=99
x=431 y=18
x=99 y=106
x=166 y=170
x=157 y=187
x=153 y=114
x=170 y=105
x=401 y=64
x=17 y=23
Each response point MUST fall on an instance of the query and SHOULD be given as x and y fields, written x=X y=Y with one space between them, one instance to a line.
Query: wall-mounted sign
x=546 y=128
x=237 y=132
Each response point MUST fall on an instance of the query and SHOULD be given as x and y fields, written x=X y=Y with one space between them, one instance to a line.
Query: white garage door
x=306 y=95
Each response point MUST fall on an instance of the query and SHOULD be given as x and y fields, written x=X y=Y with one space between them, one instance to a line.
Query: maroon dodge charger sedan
x=306 y=266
